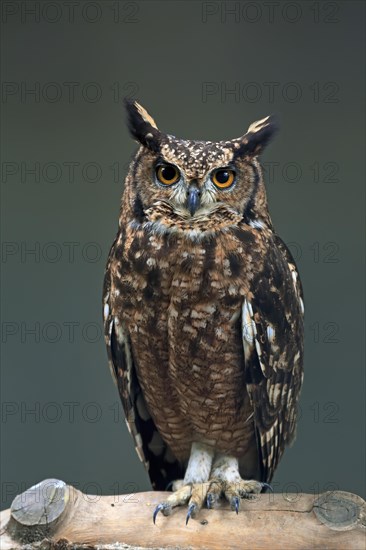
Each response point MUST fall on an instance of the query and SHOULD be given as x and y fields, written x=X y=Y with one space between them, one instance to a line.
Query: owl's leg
x=195 y=484
x=225 y=479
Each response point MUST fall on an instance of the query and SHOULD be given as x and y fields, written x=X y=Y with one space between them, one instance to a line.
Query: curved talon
x=235 y=504
x=191 y=510
x=210 y=500
x=268 y=486
x=157 y=510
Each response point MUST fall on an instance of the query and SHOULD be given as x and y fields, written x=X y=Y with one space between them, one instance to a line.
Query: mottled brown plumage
x=203 y=308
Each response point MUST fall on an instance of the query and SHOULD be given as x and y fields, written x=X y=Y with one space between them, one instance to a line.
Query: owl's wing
x=272 y=329
x=157 y=458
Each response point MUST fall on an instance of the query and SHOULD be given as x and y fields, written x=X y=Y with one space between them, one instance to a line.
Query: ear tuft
x=141 y=125
x=259 y=134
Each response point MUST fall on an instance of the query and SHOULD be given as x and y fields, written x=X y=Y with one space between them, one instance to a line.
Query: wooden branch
x=52 y=515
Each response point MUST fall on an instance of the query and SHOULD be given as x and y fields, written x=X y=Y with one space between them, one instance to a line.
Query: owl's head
x=186 y=184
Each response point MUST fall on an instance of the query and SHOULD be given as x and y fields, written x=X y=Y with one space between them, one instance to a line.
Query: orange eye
x=167 y=174
x=223 y=178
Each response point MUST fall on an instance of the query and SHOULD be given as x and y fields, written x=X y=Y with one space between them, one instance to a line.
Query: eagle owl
x=203 y=314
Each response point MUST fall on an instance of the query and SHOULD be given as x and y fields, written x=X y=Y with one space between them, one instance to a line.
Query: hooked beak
x=193 y=199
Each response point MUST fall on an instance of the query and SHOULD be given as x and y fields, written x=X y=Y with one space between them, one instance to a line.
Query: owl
x=203 y=316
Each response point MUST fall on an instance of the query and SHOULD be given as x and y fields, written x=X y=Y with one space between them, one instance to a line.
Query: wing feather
x=272 y=330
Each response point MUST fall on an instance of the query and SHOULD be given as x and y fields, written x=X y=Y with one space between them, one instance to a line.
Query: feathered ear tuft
x=258 y=135
x=142 y=126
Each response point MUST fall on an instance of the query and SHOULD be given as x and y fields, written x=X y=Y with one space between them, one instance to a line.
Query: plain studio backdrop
x=205 y=70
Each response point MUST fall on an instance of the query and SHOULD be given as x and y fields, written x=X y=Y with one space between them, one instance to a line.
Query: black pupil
x=222 y=176
x=168 y=172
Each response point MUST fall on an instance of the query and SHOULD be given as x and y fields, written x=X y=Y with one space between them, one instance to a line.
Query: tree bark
x=53 y=515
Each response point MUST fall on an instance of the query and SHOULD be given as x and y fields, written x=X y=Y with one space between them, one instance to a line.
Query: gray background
x=302 y=60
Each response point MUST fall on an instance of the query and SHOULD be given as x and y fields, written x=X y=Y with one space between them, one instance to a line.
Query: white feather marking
x=138 y=440
x=123 y=339
x=140 y=454
x=196 y=314
x=270 y=333
x=208 y=308
x=248 y=332
x=106 y=311
x=257 y=224
x=270 y=456
x=276 y=391
x=249 y=417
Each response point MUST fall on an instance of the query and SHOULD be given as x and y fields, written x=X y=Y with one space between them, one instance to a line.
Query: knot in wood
x=36 y=512
x=339 y=510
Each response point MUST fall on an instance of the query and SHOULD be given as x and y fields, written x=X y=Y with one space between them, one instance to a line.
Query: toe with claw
x=267 y=486
x=163 y=507
x=235 y=503
x=192 y=512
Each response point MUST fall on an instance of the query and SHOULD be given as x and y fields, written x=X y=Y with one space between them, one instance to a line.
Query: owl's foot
x=206 y=480
x=227 y=482
x=193 y=493
x=237 y=490
x=193 y=488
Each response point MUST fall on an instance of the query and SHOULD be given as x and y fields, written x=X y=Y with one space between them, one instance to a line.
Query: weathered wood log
x=52 y=515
